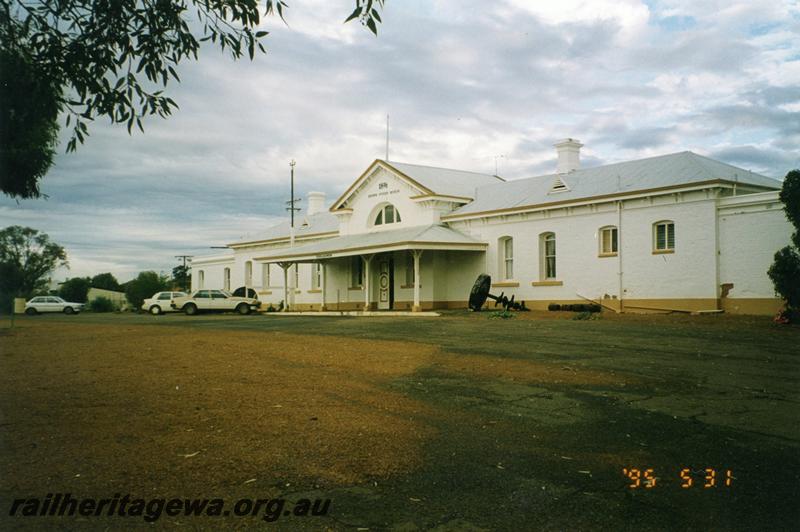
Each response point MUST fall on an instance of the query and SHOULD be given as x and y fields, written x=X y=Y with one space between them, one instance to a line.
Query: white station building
x=673 y=232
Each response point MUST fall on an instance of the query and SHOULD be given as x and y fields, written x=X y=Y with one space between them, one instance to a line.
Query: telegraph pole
x=185 y=273
x=289 y=293
x=291 y=208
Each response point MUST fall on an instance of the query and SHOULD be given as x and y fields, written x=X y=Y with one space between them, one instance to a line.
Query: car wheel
x=30 y=311
x=69 y=310
x=243 y=308
x=155 y=310
x=190 y=309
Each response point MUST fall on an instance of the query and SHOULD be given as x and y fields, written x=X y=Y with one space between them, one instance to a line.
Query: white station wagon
x=161 y=302
x=215 y=301
x=51 y=304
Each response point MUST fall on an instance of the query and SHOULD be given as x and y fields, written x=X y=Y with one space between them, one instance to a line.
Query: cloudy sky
x=464 y=82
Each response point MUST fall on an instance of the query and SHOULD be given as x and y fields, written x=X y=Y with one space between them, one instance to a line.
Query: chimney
x=569 y=155
x=316 y=203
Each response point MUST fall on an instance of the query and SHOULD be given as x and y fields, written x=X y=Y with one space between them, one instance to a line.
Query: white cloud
x=463 y=81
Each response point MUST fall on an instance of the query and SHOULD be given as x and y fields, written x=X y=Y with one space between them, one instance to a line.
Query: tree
x=785 y=270
x=94 y=53
x=143 y=286
x=181 y=277
x=106 y=281
x=27 y=257
x=28 y=125
x=75 y=289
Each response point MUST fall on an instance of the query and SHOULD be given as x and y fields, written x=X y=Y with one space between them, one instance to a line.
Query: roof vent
x=558 y=186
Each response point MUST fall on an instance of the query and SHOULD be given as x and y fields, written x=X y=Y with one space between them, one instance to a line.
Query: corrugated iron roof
x=445 y=181
x=674 y=169
x=352 y=244
x=321 y=222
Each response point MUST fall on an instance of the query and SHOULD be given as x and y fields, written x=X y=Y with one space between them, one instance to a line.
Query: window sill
x=663 y=251
x=505 y=284
x=314 y=291
x=604 y=255
x=355 y=288
x=264 y=292
x=547 y=283
x=408 y=286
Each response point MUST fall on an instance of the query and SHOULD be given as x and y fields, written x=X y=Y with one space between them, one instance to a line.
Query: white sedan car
x=161 y=302
x=215 y=300
x=51 y=304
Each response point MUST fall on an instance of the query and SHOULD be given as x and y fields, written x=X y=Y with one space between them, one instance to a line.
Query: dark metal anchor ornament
x=480 y=293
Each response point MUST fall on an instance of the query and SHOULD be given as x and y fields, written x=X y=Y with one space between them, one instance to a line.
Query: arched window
x=608 y=241
x=201 y=279
x=387 y=215
x=248 y=273
x=664 y=236
x=547 y=252
x=226 y=279
x=505 y=246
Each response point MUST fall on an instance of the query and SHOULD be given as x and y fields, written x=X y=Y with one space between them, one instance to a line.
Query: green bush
x=145 y=285
x=102 y=304
x=585 y=315
x=785 y=270
x=75 y=289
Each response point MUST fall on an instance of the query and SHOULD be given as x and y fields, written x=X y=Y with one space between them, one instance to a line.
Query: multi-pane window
x=356 y=272
x=248 y=273
x=507 y=257
x=226 y=279
x=316 y=276
x=664 y=236
x=296 y=275
x=201 y=278
x=387 y=215
x=548 y=247
x=608 y=241
x=265 y=275
x=409 y=269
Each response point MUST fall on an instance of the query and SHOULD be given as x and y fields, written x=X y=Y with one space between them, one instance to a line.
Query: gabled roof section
x=662 y=172
x=444 y=181
x=428 y=180
x=320 y=223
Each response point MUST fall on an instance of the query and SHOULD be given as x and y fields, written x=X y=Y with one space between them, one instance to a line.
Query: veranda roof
x=434 y=236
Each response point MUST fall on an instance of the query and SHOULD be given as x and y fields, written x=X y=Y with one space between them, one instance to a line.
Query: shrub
x=553 y=306
x=75 y=289
x=585 y=315
x=502 y=314
x=785 y=270
x=102 y=304
x=145 y=285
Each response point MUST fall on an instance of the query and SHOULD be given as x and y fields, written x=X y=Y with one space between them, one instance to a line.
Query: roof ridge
x=703 y=160
x=443 y=168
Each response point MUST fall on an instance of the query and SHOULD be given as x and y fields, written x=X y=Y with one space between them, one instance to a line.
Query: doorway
x=385 y=283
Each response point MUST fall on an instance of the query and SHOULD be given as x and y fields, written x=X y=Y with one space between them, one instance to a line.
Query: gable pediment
x=380 y=178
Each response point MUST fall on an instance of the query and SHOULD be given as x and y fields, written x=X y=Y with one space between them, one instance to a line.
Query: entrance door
x=385 y=282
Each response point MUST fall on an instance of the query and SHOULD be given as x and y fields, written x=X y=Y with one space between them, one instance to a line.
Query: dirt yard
x=453 y=423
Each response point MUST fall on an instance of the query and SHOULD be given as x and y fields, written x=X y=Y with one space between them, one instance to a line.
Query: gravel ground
x=451 y=423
